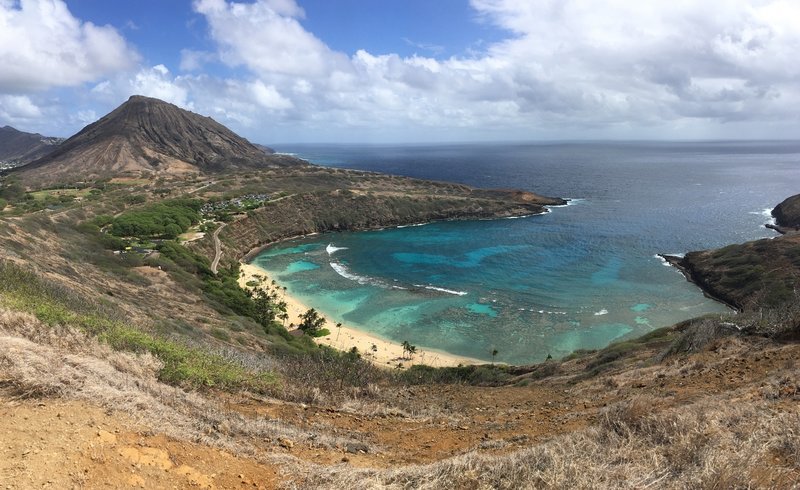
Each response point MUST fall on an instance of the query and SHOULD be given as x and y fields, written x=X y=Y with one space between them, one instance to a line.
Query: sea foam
x=767 y=213
x=441 y=290
x=363 y=280
x=664 y=261
x=331 y=249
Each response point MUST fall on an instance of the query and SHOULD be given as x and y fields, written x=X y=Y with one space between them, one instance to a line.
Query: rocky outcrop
x=787 y=214
x=761 y=273
x=748 y=275
x=146 y=136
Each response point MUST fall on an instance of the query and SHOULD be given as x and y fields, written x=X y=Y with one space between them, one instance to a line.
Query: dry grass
x=37 y=360
x=713 y=444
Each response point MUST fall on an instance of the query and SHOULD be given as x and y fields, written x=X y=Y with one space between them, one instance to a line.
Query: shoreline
x=675 y=261
x=254 y=251
x=386 y=353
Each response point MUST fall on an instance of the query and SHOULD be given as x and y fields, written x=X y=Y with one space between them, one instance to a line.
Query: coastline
x=386 y=354
x=677 y=263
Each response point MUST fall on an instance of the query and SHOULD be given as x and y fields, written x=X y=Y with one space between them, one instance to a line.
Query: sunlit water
x=580 y=276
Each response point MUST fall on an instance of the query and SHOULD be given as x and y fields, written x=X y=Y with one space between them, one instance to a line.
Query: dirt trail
x=64 y=445
x=217 y=248
x=51 y=443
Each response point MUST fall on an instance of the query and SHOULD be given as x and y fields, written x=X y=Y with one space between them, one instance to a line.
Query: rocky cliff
x=371 y=203
x=753 y=274
x=787 y=213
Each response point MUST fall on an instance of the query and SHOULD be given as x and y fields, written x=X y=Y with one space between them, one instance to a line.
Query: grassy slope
x=705 y=386
x=759 y=273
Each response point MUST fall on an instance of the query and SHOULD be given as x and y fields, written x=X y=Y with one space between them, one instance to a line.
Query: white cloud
x=566 y=69
x=267 y=97
x=570 y=65
x=18 y=108
x=158 y=82
x=266 y=37
x=42 y=46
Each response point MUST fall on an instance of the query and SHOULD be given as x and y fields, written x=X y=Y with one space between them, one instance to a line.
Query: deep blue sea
x=581 y=276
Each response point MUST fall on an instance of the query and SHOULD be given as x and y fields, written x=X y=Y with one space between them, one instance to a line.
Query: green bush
x=165 y=219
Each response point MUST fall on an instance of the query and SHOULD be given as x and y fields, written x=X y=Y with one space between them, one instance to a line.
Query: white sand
x=385 y=353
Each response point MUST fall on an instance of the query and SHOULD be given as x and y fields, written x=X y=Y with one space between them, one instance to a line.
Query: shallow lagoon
x=581 y=276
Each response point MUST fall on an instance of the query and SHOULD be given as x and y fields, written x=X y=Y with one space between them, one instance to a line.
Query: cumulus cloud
x=572 y=64
x=565 y=69
x=17 y=108
x=43 y=46
x=267 y=37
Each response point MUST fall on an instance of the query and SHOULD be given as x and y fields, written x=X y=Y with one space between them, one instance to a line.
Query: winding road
x=217 y=248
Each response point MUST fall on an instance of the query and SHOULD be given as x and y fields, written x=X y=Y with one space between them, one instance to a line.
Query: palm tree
x=408 y=348
x=494 y=353
x=405 y=346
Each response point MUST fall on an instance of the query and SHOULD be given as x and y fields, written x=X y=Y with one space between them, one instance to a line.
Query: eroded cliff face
x=345 y=210
x=753 y=274
x=787 y=213
x=759 y=273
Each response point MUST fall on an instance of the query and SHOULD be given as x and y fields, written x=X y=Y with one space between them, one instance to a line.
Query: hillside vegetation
x=131 y=357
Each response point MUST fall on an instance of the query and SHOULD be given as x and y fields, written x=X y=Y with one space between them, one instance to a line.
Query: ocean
x=579 y=277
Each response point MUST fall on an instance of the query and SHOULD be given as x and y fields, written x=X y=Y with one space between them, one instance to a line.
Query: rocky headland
x=787 y=215
x=343 y=200
x=754 y=274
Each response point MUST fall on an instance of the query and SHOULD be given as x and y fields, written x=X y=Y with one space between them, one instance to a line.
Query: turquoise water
x=580 y=276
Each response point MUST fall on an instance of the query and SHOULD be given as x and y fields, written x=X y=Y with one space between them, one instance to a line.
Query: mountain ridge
x=19 y=147
x=144 y=137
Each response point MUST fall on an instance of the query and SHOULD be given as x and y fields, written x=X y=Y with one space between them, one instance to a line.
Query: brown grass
x=714 y=444
x=37 y=360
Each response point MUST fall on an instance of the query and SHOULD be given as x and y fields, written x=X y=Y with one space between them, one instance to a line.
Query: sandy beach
x=385 y=353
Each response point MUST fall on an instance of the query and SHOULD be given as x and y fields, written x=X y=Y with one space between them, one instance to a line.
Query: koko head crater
x=478 y=244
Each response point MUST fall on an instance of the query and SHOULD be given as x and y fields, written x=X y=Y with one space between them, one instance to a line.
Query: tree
x=172 y=230
x=494 y=354
x=408 y=350
x=264 y=307
x=311 y=323
x=339 y=330
x=283 y=310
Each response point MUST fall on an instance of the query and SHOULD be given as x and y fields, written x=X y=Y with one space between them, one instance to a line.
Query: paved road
x=217 y=248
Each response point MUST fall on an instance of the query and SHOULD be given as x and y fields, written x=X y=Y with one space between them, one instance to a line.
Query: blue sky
x=411 y=71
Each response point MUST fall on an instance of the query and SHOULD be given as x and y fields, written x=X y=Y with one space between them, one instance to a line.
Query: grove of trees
x=166 y=219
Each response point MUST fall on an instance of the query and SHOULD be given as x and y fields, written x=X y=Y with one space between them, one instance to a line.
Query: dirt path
x=66 y=444
x=217 y=248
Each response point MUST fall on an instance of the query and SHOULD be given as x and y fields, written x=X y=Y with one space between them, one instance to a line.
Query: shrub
x=165 y=219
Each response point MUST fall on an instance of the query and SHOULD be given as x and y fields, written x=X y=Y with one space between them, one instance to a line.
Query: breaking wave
x=441 y=290
x=331 y=249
